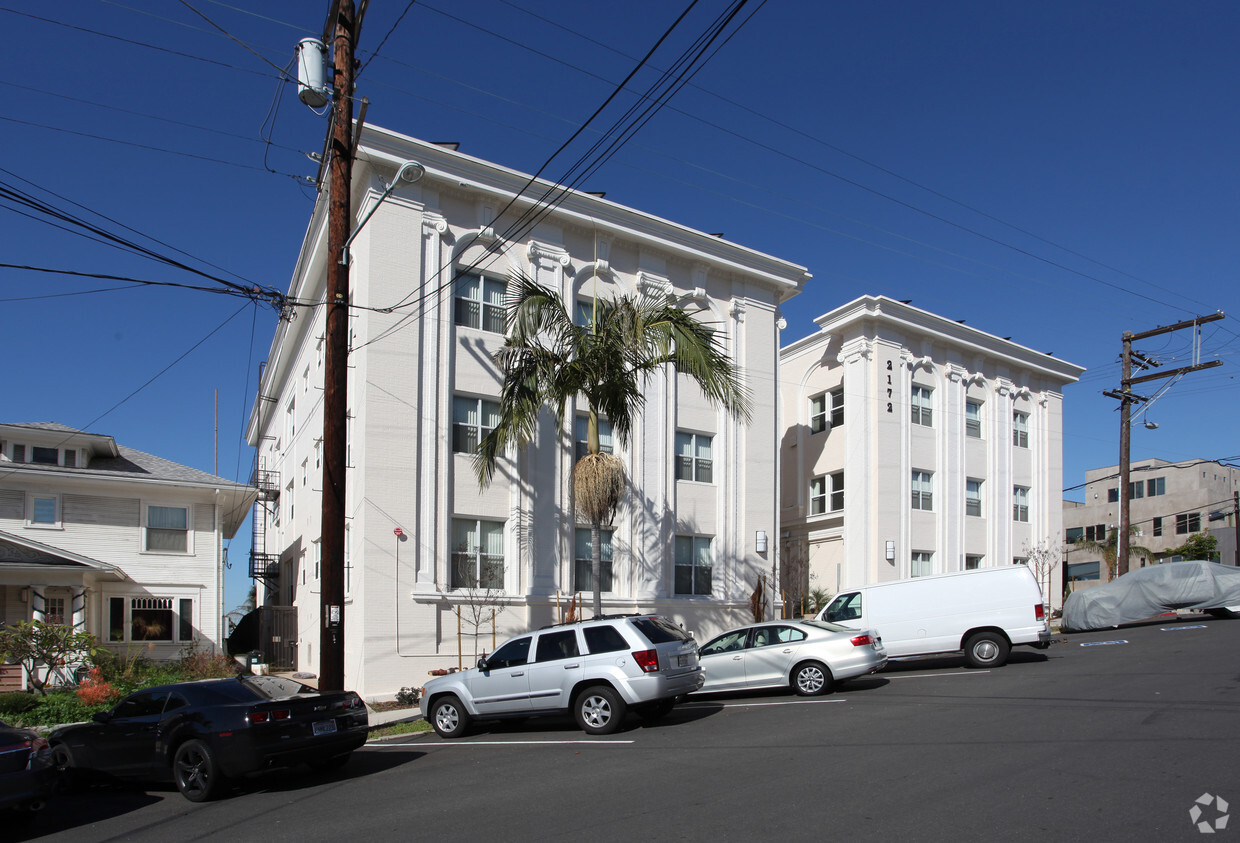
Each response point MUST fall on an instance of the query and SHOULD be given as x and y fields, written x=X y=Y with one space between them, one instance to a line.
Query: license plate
x=682 y=661
x=325 y=727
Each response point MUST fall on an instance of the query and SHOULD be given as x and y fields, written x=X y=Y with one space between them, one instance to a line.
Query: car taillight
x=862 y=640
x=1038 y=612
x=269 y=716
x=647 y=660
x=353 y=702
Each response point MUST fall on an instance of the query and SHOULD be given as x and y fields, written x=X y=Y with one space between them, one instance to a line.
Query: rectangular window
x=837 y=491
x=818 y=413
x=478 y=554
x=583 y=561
x=1074 y=534
x=837 y=407
x=19 y=453
x=1020 y=429
x=1158 y=528
x=694 y=459
x=1156 y=486
x=1020 y=560
x=186 y=617
x=45 y=456
x=116 y=618
x=1084 y=571
x=1113 y=495
x=472 y=420
x=44 y=510
x=480 y=303
x=922 y=564
x=1020 y=503
x=922 y=407
x=318 y=558
x=693 y=565
x=1096 y=533
x=70 y=458
x=150 y=619
x=54 y=610
x=973 y=498
x=1187 y=522
x=1136 y=489
x=585 y=314
x=290 y=421
x=972 y=563
x=818 y=495
x=167 y=529
x=923 y=490
x=581 y=433
x=973 y=419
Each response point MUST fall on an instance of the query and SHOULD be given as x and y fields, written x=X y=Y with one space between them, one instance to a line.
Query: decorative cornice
x=433 y=224
x=546 y=252
x=907 y=358
x=649 y=285
x=957 y=374
x=737 y=309
x=855 y=352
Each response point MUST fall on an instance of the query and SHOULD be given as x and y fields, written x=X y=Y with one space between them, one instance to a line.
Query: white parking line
x=386 y=744
x=703 y=703
x=1104 y=643
x=1178 y=628
x=934 y=675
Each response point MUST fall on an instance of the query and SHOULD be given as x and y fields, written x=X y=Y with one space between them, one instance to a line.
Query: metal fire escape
x=264 y=565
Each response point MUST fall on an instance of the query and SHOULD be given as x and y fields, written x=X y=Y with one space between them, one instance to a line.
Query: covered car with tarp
x=1144 y=593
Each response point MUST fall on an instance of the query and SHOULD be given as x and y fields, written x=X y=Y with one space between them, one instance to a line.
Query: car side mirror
x=482 y=665
x=101 y=717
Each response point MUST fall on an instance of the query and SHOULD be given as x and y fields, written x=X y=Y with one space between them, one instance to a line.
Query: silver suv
x=597 y=669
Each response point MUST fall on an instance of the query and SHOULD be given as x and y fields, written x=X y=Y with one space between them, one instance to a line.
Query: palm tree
x=549 y=360
x=1108 y=548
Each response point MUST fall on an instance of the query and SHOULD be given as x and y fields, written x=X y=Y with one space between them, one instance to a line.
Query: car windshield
x=276 y=687
x=660 y=630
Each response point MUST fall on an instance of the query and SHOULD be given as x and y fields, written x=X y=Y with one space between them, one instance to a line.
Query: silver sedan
x=806 y=655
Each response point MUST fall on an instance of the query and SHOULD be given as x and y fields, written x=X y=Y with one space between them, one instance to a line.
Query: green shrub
x=17 y=702
x=59 y=707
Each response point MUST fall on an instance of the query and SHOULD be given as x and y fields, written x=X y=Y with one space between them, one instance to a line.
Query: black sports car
x=202 y=733
x=27 y=775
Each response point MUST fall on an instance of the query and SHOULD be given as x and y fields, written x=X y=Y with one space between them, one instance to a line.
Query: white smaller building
x=916 y=445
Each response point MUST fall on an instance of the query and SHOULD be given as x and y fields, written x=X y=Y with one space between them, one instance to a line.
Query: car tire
x=599 y=710
x=810 y=679
x=449 y=718
x=655 y=711
x=68 y=776
x=195 y=771
x=986 y=649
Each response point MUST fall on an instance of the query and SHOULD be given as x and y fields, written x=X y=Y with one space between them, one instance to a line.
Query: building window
x=44 y=456
x=1084 y=571
x=150 y=619
x=581 y=434
x=348 y=560
x=973 y=498
x=318 y=453
x=922 y=564
x=922 y=408
x=1020 y=503
x=44 y=511
x=19 y=453
x=1074 y=534
x=1113 y=495
x=972 y=563
x=1096 y=533
x=1157 y=529
x=1187 y=522
x=923 y=490
x=584 y=314
x=828 y=407
x=167 y=529
x=1136 y=489
x=288 y=497
x=1020 y=560
x=693 y=565
x=70 y=458
x=583 y=561
x=318 y=558
x=290 y=418
x=694 y=457
x=54 y=610
x=478 y=554
x=824 y=491
x=973 y=419
x=480 y=303
x=472 y=420
x=1020 y=429
x=1153 y=487
x=186 y=619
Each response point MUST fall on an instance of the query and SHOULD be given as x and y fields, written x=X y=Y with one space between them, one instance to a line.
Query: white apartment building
x=917 y=445
x=428 y=276
x=1168 y=503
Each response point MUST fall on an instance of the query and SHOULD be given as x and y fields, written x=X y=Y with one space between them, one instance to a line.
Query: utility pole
x=1127 y=399
x=336 y=354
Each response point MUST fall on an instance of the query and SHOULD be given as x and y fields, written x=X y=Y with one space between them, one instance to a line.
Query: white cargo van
x=983 y=612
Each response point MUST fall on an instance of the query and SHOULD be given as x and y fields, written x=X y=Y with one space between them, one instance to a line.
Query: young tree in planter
x=548 y=360
x=36 y=644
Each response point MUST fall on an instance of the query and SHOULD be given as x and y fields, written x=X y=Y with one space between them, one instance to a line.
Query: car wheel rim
x=597 y=711
x=985 y=651
x=447 y=718
x=810 y=679
x=192 y=772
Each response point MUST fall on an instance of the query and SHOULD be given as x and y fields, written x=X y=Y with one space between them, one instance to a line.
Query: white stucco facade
x=949 y=448
x=422 y=349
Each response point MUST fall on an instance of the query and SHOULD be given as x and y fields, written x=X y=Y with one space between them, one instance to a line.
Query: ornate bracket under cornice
x=1004 y=388
x=855 y=352
x=554 y=255
x=433 y=224
x=737 y=309
x=649 y=285
x=926 y=362
x=957 y=374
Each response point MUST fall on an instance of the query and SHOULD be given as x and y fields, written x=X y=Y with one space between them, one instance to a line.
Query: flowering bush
x=94 y=691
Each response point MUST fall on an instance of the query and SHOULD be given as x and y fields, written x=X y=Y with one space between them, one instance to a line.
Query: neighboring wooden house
x=113 y=541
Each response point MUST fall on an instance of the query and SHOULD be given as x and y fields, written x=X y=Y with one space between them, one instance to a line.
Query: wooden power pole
x=1127 y=399
x=336 y=355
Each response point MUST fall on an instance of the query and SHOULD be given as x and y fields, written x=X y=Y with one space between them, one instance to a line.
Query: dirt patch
x=391 y=705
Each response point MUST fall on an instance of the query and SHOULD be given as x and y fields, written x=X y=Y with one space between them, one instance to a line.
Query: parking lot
x=1106 y=735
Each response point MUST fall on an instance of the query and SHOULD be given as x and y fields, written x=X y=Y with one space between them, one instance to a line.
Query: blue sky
x=1053 y=172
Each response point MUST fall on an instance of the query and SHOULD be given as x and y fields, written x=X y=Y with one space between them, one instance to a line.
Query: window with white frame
x=826 y=493
x=694 y=562
x=166 y=529
x=150 y=619
x=42 y=510
x=973 y=497
x=480 y=302
x=1020 y=503
x=972 y=563
x=922 y=564
x=922 y=406
x=318 y=558
x=923 y=490
x=583 y=561
x=694 y=457
x=828 y=407
x=581 y=436
x=584 y=314
x=472 y=420
x=1020 y=429
x=45 y=456
x=973 y=419
x=54 y=610
x=837 y=407
x=288 y=498
x=290 y=419
x=477 y=554
x=348 y=560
